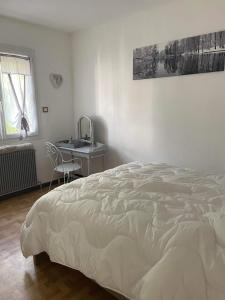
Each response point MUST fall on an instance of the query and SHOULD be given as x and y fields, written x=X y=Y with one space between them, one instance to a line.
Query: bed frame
x=39 y=258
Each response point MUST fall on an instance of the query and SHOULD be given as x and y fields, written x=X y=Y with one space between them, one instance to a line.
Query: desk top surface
x=97 y=147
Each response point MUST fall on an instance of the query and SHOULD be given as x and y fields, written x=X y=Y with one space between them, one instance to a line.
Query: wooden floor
x=20 y=279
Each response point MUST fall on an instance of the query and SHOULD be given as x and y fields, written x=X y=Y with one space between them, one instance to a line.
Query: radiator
x=17 y=171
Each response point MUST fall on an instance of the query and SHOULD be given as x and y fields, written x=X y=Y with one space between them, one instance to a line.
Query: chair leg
x=50 y=185
x=58 y=181
x=64 y=177
x=68 y=177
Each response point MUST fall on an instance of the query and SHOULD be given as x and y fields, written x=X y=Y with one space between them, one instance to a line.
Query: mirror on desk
x=86 y=129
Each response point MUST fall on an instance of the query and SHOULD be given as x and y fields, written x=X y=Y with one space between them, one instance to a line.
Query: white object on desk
x=88 y=152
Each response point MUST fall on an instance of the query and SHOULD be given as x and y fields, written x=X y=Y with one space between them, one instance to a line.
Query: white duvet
x=148 y=232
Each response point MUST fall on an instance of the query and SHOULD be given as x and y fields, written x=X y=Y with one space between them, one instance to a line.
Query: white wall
x=178 y=120
x=52 y=54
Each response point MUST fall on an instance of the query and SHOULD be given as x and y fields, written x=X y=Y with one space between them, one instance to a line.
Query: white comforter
x=149 y=232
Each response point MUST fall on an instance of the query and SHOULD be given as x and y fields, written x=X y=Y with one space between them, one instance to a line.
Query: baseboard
x=20 y=192
x=33 y=188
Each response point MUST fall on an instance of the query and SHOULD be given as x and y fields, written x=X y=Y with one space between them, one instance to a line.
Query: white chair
x=59 y=164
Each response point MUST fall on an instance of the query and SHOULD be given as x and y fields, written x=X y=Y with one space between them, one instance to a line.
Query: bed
x=144 y=231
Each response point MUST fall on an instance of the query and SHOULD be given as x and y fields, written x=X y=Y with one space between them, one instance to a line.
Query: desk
x=88 y=152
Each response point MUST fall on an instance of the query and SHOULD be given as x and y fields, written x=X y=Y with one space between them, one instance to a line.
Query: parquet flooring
x=20 y=279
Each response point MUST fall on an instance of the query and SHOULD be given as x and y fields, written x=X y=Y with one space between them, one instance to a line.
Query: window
x=18 y=113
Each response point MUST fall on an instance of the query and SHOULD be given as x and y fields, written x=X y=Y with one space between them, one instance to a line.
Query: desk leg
x=88 y=166
x=103 y=162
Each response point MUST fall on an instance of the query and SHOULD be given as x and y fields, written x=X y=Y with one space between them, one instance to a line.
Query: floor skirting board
x=40 y=185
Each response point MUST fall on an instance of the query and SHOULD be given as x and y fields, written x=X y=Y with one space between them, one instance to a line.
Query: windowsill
x=14 y=140
x=16 y=137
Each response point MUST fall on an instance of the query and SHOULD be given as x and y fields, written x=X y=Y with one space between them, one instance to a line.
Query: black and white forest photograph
x=199 y=54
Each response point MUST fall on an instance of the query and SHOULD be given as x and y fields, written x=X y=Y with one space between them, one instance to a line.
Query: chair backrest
x=54 y=154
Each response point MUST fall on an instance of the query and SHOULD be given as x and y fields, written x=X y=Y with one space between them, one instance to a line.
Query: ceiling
x=70 y=15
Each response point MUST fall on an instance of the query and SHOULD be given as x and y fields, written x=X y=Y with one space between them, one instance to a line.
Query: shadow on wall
x=100 y=130
x=113 y=156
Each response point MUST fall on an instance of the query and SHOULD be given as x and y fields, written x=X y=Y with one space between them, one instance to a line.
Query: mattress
x=145 y=231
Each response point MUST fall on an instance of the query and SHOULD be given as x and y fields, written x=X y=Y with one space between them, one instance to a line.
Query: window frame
x=17 y=51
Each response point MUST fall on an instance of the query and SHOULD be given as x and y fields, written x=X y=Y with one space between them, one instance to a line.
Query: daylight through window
x=18 y=115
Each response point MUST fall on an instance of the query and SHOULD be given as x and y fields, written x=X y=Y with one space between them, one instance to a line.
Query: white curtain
x=18 y=97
